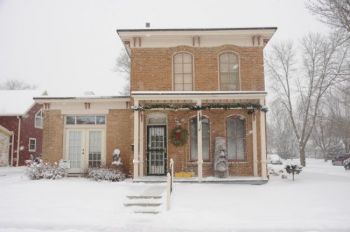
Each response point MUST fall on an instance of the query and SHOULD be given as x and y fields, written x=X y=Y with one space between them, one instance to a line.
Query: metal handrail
x=169 y=186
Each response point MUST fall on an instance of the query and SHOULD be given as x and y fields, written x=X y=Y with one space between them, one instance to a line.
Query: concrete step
x=144 y=197
x=145 y=210
x=142 y=204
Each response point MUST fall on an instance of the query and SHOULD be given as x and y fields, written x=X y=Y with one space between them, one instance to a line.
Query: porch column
x=263 y=141
x=136 y=140
x=141 y=143
x=255 y=147
x=199 y=142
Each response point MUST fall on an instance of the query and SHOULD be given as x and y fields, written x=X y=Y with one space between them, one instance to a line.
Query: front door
x=84 y=149
x=75 y=150
x=156 y=150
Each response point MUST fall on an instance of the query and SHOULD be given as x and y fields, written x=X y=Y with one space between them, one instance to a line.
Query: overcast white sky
x=70 y=46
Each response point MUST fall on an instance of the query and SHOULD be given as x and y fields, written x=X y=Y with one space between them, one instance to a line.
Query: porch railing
x=169 y=183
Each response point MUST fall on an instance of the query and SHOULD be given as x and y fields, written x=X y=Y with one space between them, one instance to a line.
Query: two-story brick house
x=189 y=89
x=21 y=121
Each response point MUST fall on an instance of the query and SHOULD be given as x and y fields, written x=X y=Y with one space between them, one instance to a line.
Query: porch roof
x=197 y=95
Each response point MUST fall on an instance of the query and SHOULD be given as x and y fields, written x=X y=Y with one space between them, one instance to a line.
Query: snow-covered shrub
x=100 y=174
x=293 y=169
x=346 y=164
x=37 y=169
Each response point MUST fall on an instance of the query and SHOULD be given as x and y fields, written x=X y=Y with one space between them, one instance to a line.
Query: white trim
x=32 y=150
x=194 y=95
x=263 y=142
x=199 y=142
x=255 y=146
x=136 y=142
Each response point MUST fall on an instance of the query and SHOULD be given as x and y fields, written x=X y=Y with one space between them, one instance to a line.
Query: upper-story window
x=38 y=123
x=183 y=72
x=229 y=71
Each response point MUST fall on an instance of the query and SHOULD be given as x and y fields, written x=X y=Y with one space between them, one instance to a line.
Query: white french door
x=84 y=149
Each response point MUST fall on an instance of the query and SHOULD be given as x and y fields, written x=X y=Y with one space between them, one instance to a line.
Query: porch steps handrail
x=169 y=185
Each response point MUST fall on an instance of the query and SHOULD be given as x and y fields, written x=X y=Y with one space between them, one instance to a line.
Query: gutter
x=18 y=140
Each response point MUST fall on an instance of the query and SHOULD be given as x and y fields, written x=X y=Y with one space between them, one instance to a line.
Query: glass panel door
x=156 y=152
x=95 y=149
x=75 y=150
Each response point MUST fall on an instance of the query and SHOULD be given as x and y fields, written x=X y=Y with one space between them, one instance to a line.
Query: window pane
x=178 y=87
x=188 y=78
x=178 y=68
x=224 y=67
x=187 y=87
x=232 y=58
x=178 y=58
x=187 y=58
x=194 y=139
x=224 y=58
x=85 y=119
x=187 y=68
x=205 y=138
x=70 y=120
x=178 y=79
x=240 y=148
x=100 y=120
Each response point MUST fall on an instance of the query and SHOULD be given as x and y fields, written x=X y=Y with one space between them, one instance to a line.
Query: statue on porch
x=220 y=158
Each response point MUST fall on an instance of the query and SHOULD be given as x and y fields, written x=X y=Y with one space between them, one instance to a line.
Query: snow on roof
x=17 y=102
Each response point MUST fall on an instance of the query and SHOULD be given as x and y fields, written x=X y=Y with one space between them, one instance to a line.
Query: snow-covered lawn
x=318 y=200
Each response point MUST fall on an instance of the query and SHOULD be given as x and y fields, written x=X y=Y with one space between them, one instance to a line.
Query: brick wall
x=152 y=67
x=53 y=136
x=217 y=120
x=120 y=135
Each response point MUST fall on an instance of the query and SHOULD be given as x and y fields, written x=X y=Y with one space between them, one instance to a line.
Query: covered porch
x=204 y=116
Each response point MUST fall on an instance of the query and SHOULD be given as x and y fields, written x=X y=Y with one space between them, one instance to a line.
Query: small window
x=229 y=72
x=85 y=120
x=235 y=129
x=39 y=119
x=205 y=139
x=32 y=144
x=183 y=72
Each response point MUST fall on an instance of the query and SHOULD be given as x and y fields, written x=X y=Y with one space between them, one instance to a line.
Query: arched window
x=183 y=72
x=229 y=71
x=235 y=135
x=38 y=123
x=205 y=139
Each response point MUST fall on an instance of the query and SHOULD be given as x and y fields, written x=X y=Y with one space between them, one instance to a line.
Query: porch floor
x=214 y=180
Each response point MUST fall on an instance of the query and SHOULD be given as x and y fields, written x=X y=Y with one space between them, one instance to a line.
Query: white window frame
x=39 y=116
x=239 y=87
x=29 y=149
x=183 y=73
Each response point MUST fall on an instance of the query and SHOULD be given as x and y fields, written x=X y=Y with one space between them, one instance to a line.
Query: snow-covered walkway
x=318 y=200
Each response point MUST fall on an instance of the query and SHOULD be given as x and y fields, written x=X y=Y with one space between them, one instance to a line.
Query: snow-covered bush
x=37 y=169
x=100 y=174
x=293 y=169
x=346 y=164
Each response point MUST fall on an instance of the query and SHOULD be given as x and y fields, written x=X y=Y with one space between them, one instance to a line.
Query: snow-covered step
x=144 y=210
x=144 y=197
x=143 y=204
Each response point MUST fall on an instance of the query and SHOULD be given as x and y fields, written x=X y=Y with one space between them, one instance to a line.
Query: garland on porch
x=178 y=136
x=251 y=107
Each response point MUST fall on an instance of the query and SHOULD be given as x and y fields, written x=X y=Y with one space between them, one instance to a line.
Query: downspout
x=13 y=143
x=18 y=139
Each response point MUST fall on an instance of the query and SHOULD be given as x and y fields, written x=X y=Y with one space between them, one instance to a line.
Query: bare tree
x=279 y=138
x=333 y=12
x=16 y=85
x=325 y=135
x=300 y=87
x=123 y=66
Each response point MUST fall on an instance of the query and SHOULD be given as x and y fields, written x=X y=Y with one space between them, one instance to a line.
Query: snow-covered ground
x=318 y=200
